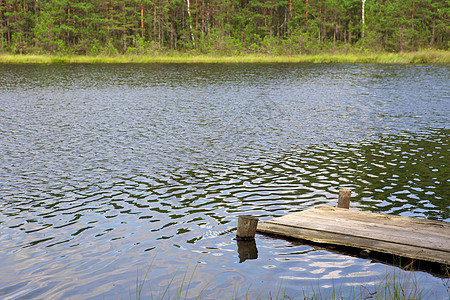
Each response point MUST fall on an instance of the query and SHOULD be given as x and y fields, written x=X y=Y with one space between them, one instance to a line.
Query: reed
x=419 y=57
x=394 y=285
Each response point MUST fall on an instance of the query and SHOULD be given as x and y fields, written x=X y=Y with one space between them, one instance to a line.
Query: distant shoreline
x=417 y=57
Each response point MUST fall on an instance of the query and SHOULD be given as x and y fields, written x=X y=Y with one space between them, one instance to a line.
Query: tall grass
x=394 y=285
x=419 y=57
x=181 y=291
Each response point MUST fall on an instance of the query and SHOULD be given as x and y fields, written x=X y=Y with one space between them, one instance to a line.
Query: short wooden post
x=246 y=228
x=344 y=198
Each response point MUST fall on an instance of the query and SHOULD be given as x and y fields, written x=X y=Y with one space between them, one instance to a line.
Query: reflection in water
x=247 y=250
x=104 y=169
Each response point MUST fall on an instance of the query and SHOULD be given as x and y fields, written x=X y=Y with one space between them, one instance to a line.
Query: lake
x=112 y=174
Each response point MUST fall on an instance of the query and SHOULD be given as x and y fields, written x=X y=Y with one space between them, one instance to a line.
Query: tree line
x=221 y=26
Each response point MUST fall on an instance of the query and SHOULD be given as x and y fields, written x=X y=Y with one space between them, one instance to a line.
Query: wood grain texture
x=409 y=237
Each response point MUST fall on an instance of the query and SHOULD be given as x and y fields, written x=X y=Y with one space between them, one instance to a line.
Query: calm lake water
x=110 y=171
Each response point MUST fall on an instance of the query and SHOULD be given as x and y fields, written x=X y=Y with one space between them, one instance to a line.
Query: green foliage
x=285 y=27
x=342 y=54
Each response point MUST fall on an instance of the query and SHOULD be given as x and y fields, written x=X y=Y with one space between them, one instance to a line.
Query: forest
x=228 y=27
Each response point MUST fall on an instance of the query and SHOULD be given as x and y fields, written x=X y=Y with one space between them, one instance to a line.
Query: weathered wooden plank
x=363 y=243
x=381 y=218
x=370 y=230
x=415 y=238
x=394 y=225
x=413 y=225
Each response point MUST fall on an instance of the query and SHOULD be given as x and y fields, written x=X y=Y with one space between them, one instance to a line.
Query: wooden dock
x=418 y=239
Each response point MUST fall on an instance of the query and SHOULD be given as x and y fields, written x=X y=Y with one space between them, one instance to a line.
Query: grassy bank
x=419 y=57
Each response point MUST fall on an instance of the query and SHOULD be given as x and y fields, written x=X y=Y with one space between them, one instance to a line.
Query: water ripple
x=104 y=167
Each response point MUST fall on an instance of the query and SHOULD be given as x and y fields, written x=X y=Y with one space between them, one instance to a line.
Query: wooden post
x=344 y=198
x=246 y=228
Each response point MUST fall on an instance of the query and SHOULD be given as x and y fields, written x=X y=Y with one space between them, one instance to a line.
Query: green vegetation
x=429 y=56
x=287 y=28
x=396 y=285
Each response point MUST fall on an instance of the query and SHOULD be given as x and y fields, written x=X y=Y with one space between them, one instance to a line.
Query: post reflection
x=247 y=250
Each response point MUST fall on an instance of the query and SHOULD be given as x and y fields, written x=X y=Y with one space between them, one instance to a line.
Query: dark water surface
x=107 y=171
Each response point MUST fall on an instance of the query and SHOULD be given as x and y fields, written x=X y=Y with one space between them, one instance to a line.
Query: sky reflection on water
x=106 y=168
